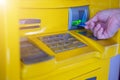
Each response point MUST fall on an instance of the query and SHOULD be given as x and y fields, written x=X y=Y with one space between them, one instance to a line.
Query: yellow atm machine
x=46 y=40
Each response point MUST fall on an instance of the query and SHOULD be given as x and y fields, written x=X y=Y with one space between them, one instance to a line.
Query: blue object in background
x=114 y=68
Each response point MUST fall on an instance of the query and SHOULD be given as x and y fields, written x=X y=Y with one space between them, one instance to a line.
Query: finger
x=91 y=27
x=86 y=27
x=96 y=29
x=100 y=34
x=106 y=35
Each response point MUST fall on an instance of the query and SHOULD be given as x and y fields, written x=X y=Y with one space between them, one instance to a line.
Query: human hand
x=105 y=23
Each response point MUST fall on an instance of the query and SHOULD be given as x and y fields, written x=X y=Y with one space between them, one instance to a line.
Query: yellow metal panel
x=52 y=20
x=70 y=70
x=9 y=46
x=79 y=71
x=109 y=47
x=119 y=49
x=96 y=6
x=98 y=73
x=95 y=73
x=115 y=3
x=41 y=68
x=117 y=39
x=52 y=3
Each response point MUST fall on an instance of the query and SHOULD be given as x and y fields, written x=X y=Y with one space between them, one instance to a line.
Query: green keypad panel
x=61 y=42
x=32 y=54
